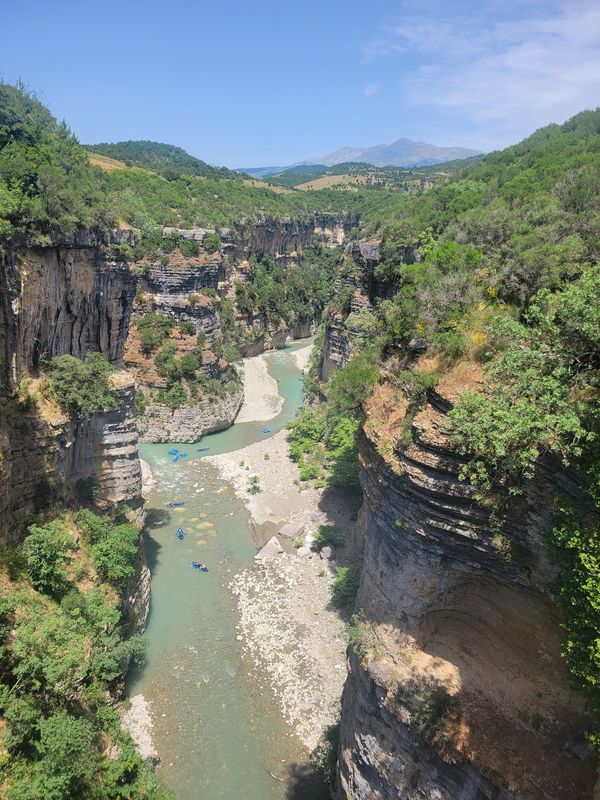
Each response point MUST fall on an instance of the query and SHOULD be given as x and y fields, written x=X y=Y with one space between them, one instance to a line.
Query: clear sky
x=247 y=83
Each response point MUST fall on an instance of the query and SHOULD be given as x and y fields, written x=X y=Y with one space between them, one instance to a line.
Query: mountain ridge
x=402 y=152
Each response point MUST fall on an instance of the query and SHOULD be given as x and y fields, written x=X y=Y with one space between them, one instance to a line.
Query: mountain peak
x=401 y=153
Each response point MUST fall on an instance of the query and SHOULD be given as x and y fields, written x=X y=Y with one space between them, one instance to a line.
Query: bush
x=47 y=549
x=188 y=247
x=190 y=363
x=327 y=535
x=253 y=485
x=82 y=388
x=345 y=588
x=88 y=489
x=211 y=242
x=153 y=329
x=186 y=328
x=114 y=547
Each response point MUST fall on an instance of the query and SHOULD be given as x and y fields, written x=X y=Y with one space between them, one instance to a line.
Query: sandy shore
x=302 y=357
x=262 y=400
x=137 y=720
x=281 y=500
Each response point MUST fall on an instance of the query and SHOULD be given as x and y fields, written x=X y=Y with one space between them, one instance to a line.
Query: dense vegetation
x=500 y=267
x=48 y=190
x=82 y=388
x=63 y=648
x=165 y=160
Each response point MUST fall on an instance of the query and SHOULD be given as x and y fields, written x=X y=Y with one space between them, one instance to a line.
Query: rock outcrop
x=190 y=422
x=457 y=688
x=60 y=300
x=43 y=455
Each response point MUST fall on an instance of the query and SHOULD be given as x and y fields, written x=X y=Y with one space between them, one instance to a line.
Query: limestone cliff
x=57 y=301
x=60 y=300
x=456 y=686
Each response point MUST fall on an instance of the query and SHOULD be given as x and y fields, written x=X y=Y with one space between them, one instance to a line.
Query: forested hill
x=164 y=159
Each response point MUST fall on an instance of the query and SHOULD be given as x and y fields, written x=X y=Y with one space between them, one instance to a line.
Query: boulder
x=303 y=551
x=327 y=552
x=271 y=550
x=292 y=530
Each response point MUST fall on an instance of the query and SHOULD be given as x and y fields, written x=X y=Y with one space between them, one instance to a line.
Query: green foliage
x=165 y=159
x=211 y=242
x=82 y=388
x=575 y=541
x=153 y=329
x=431 y=709
x=345 y=588
x=191 y=362
x=535 y=398
x=114 y=547
x=56 y=671
x=327 y=535
x=47 y=549
x=88 y=489
x=186 y=327
x=253 y=485
x=48 y=190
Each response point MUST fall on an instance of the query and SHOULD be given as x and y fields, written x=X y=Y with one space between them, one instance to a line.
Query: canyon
x=456 y=687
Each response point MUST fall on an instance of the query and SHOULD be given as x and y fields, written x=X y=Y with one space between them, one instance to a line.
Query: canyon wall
x=456 y=685
x=58 y=301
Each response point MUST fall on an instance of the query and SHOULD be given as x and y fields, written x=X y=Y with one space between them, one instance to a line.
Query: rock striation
x=457 y=688
x=190 y=422
x=43 y=454
x=60 y=300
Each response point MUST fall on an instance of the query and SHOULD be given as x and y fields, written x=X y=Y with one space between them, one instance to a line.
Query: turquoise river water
x=217 y=729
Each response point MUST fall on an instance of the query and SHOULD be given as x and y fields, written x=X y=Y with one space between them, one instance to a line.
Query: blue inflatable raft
x=180 y=533
x=265 y=430
x=199 y=566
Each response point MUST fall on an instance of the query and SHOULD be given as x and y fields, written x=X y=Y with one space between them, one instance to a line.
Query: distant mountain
x=164 y=159
x=401 y=153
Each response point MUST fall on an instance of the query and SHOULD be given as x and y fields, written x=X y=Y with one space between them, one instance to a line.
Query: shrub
x=253 y=485
x=345 y=587
x=153 y=329
x=82 y=388
x=327 y=535
x=190 y=363
x=88 y=489
x=211 y=242
x=186 y=328
x=47 y=549
x=114 y=547
x=189 y=247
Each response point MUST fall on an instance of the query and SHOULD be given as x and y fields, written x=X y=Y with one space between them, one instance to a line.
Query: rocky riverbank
x=289 y=628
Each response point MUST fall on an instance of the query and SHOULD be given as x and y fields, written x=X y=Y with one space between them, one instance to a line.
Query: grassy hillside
x=163 y=159
x=409 y=179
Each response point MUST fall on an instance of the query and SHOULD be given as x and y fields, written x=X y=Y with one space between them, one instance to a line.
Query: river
x=217 y=729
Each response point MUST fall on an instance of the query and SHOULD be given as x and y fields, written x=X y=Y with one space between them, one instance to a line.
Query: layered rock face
x=284 y=238
x=361 y=258
x=457 y=688
x=191 y=421
x=60 y=300
x=43 y=454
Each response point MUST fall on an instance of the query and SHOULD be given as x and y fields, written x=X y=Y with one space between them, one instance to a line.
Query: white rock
x=271 y=550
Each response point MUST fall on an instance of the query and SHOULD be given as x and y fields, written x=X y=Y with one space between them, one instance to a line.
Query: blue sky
x=264 y=82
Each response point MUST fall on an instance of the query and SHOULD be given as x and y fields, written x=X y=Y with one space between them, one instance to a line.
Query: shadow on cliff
x=154 y=517
x=306 y=782
x=30 y=478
